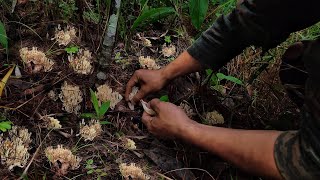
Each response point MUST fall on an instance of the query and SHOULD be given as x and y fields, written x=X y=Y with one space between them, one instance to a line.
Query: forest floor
x=25 y=102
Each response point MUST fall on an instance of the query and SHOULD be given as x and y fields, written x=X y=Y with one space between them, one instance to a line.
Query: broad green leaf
x=152 y=15
x=198 y=10
x=3 y=36
x=88 y=115
x=104 y=108
x=229 y=78
x=72 y=49
x=94 y=101
x=164 y=98
x=105 y=122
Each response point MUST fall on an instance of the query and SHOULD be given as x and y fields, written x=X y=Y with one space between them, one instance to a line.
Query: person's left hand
x=170 y=120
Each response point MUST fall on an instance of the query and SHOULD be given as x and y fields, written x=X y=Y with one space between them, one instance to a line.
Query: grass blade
x=3 y=36
x=104 y=108
x=94 y=101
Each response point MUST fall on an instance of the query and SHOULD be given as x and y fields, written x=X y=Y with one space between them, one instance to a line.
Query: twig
x=163 y=176
x=34 y=155
x=180 y=169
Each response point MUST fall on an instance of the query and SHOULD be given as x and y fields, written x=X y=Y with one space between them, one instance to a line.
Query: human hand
x=150 y=81
x=170 y=121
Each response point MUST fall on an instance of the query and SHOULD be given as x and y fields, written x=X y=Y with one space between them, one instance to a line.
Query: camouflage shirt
x=267 y=23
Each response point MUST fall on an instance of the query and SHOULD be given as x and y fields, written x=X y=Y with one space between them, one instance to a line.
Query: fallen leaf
x=5 y=79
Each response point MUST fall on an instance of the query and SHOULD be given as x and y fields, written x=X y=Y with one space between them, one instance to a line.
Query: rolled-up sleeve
x=264 y=23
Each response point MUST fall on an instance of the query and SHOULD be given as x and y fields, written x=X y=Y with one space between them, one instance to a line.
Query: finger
x=146 y=119
x=141 y=94
x=132 y=82
x=155 y=105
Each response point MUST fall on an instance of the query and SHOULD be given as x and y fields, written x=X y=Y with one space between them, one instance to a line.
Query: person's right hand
x=149 y=80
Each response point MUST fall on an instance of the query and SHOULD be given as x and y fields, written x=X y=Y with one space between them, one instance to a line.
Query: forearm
x=182 y=65
x=251 y=150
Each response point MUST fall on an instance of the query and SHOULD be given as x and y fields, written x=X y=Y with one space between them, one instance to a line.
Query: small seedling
x=215 y=80
x=100 y=110
x=167 y=39
x=164 y=98
x=5 y=126
x=72 y=49
x=91 y=169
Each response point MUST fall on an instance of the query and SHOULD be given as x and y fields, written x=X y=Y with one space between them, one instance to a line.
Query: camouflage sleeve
x=264 y=23
x=297 y=153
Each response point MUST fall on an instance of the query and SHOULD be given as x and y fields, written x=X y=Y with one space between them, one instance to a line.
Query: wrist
x=166 y=75
x=188 y=131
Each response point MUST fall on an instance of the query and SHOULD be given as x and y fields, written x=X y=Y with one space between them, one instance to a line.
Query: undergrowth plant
x=72 y=49
x=91 y=169
x=5 y=125
x=67 y=8
x=216 y=78
x=100 y=111
x=3 y=36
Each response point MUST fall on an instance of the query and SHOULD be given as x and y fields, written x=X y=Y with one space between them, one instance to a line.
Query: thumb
x=155 y=105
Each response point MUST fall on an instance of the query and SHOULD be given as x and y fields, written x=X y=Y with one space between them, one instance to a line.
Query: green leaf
x=105 y=122
x=3 y=36
x=90 y=161
x=5 y=125
x=167 y=39
x=103 y=174
x=104 y=108
x=152 y=15
x=72 y=49
x=229 y=78
x=90 y=171
x=198 y=10
x=213 y=79
x=164 y=98
x=98 y=170
x=88 y=115
x=94 y=101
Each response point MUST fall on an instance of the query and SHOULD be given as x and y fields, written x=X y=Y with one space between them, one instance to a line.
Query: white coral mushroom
x=132 y=172
x=35 y=60
x=62 y=159
x=148 y=63
x=168 y=51
x=90 y=131
x=214 y=118
x=14 y=149
x=105 y=93
x=131 y=95
x=64 y=37
x=81 y=63
x=71 y=96
x=52 y=123
x=129 y=144
x=187 y=109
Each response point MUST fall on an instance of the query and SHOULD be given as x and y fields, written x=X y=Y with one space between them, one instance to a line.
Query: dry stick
x=180 y=169
x=34 y=155
x=18 y=107
x=163 y=176
x=195 y=106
